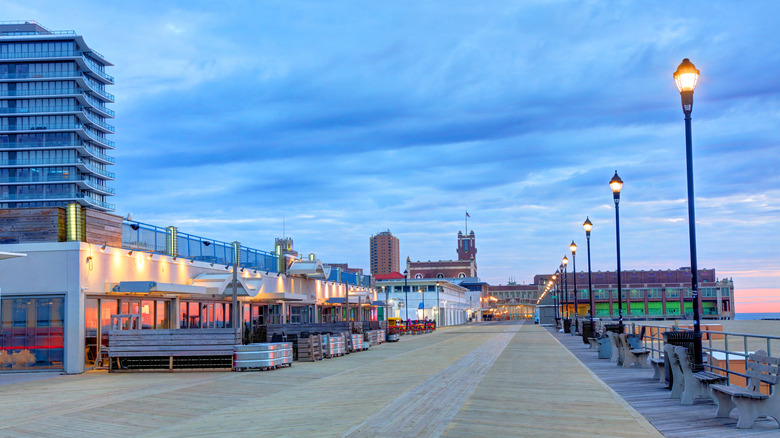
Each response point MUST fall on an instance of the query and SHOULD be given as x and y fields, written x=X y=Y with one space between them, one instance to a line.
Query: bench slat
x=758 y=357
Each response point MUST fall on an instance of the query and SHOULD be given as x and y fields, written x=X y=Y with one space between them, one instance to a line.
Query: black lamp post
x=616 y=184
x=406 y=294
x=686 y=78
x=565 y=280
x=560 y=288
x=573 y=249
x=588 y=225
x=556 y=299
x=437 y=305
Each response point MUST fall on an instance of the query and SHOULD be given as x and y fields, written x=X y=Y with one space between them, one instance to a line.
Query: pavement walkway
x=484 y=379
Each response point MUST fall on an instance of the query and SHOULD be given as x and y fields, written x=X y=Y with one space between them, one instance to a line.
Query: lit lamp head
x=686 y=78
x=588 y=225
x=573 y=248
x=616 y=184
x=565 y=261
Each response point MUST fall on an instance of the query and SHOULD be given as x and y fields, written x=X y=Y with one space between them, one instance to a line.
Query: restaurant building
x=57 y=302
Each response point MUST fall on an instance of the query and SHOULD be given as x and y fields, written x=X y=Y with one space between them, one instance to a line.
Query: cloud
x=348 y=120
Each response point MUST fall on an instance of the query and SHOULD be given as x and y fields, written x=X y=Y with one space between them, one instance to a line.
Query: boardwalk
x=651 y=400
x=488 y=379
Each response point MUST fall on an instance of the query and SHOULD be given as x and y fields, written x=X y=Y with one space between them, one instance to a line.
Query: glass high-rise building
x=54 y=148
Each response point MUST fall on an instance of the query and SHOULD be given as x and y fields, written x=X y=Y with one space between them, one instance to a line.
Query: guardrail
x=147 y=237
x=712 y=343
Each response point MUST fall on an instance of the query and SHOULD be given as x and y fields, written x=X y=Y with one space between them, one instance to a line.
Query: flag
x=467 y=214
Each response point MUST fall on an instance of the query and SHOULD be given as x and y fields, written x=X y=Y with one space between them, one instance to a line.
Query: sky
x=332 y=121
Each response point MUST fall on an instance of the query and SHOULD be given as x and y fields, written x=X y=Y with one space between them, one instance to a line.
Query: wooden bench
x=750 y=401
x=658 y=368
x=695 y=384
x=185 y=349
x=633 y=356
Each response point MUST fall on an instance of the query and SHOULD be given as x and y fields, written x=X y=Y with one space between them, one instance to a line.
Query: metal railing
x=151 y=238
x=654 y=341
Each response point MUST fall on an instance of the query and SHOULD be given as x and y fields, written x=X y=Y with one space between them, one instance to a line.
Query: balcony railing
x=75 y=161
x=55 y=197
x=57 y=179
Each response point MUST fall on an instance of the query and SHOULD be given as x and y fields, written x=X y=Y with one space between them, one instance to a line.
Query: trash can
x=682 y=338
x=614 y=328
x=587 y=331
x=567 y=325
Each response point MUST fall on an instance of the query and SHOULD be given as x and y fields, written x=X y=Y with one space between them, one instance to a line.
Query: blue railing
x=146 y=237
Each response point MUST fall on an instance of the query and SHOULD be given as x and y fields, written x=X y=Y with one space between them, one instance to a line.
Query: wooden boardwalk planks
x=650 y=399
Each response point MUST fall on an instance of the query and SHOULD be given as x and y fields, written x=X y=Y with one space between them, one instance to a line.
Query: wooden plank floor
x=651 y=399
x=486 y=379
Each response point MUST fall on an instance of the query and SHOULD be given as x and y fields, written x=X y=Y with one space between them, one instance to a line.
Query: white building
x=57 y=302
x=442 y=301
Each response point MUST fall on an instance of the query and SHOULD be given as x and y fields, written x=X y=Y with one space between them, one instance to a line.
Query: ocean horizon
x=743 y=316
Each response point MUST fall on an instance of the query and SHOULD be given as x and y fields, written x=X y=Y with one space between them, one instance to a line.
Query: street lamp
x=686 y=78
x=406 y=293
x=565 y=279
x=556 y=298
x=573 y=249
x=616 y=184
x=560 y=288
x=422 y=302
x=437 y=305
x=588 y=225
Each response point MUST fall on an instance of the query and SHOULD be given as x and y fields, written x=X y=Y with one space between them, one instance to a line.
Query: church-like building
x=464 y=267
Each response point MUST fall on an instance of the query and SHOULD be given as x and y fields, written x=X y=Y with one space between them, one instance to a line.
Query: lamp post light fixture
x=686 y=78
x=616 y=184
x=588 y=225
x=573 y=249
x=406 y=293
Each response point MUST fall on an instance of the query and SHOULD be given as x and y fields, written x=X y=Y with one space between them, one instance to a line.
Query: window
x=418 y=276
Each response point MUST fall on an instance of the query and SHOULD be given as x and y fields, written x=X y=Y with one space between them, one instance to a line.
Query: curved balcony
x=40 y=110
x=97 y=122
x=82 y=147
x=46 y=92
x=76 y=55
x=78 y=197
x=79 y=180
x=78 y=162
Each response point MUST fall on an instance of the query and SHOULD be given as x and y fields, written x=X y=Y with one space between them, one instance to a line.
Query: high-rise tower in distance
x=385 y=256
x=53 y=145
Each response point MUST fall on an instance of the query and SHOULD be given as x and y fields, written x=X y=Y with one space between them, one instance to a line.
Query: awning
x=342 y=300
x=309 y=268
x=153 y=286
x=281 y=296
x=222 y=284
x=10 y=255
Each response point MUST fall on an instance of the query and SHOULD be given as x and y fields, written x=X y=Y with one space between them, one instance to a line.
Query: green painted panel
x=688 y=307
x=655 y=305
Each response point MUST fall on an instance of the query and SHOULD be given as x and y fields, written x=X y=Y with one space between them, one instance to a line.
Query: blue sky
x=348 y=118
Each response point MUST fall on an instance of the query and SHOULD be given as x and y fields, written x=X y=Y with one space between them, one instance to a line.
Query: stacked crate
x=310 y=349
x=335 y=346
x=356 y=342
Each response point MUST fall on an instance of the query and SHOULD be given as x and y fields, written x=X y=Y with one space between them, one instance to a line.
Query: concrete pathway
x=487 y=379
